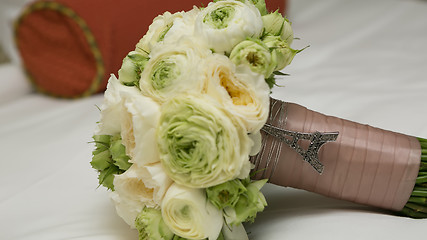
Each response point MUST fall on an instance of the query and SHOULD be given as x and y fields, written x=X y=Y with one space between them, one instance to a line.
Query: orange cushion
x=70 y=47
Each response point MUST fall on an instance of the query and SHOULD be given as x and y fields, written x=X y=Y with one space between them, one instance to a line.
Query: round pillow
x=69 y=48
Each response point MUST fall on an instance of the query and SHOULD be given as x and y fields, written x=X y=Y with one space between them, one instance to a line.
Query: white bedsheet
x=367 y=62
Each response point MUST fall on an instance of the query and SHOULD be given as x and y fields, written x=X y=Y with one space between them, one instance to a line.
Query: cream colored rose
x=140 y=116
x=112 y=107
x=182 y=26
x=127 y=209
x=167 y=28
x=189 y=214
x=139 y=187
x=242 y=92
x=157 y=31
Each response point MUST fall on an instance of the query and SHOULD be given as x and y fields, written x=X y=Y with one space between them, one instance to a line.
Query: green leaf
x=118 y=153
x=109 y=158
x=101 y=140
x=271 y=81
x=101 y=160
x=106 y=177
x=280 y=73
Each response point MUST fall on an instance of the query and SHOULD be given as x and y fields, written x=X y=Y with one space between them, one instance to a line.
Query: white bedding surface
x=367 y=62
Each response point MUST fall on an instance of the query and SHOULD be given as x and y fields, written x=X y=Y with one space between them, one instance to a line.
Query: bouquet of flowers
x=188 y=134
x=179 y=123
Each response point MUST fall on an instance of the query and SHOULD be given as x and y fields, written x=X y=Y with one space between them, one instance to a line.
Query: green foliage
x=109 y=158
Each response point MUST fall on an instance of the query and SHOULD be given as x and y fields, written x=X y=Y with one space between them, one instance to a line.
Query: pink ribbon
x=364 y=165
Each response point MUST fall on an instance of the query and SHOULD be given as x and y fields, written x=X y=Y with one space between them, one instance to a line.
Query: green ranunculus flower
x=260 y=4
x=226 y=194
x=220 y=17
x=223 y=24
x=201 y=144
x=164 y=72
x=132 y=67
x=167 y=72
x=255 y=54
x=150 y=225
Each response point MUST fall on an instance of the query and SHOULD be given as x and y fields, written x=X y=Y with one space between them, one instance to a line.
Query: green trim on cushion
x=416 y=207
x=55 y=6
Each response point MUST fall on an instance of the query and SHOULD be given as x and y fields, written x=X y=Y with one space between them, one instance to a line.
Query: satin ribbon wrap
x=364 y=165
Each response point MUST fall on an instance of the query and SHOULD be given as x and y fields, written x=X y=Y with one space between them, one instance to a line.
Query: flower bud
x=132 y=66
x=248 y=205
x=150 y=225
x=260 y=4
x=280 y=51
x=255 y=54
x=275 y=24
x=226 y=194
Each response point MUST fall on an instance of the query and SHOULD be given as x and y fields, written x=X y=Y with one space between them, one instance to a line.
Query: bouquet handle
x=364 y=164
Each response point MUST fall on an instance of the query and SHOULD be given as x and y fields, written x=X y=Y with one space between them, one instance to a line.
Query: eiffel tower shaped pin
x=291 y=138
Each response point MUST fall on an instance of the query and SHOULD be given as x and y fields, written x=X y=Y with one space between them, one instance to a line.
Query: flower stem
x=416 y=207
x=419 y=200
x=413 y=213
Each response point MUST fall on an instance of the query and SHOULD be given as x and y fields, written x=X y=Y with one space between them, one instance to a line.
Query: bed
x=366 y=62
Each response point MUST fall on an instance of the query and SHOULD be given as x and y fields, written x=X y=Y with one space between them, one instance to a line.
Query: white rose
x=139 y=187
x=157 y=31
x=242 y=92
x=140 y=116
x=224 y=24
x=127 y=209
x=182 y=26
x=189 y=214
x=172 y=70
x=111 y=108
x=168 y=28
